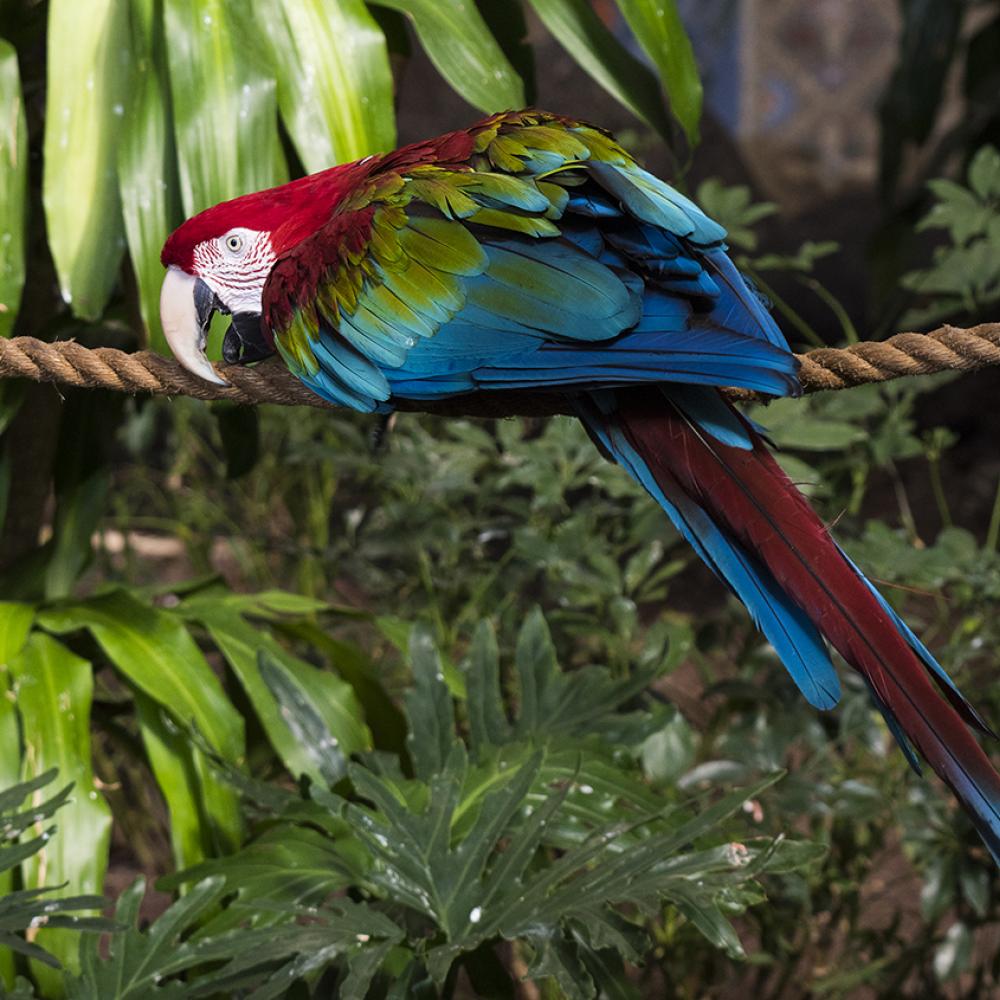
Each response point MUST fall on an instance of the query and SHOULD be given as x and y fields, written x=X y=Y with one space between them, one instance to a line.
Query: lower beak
x=245 y=341
x=186 y=308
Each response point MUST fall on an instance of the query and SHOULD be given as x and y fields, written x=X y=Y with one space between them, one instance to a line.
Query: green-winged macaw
x=531 y=252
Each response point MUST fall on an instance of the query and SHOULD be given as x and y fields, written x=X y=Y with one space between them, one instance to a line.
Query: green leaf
x=240 y=643
x=659 y=30
x=24 y=909
x=13 y=188
x=154 y=651
x=176 y=766
x=138 y=963
x=147 y=164
x=225 y=107
x=16 y=620
x=357 y=668
x=581 y=32
x=54 y=689
x=734 y=209
x=984 y=173
x=464 y=52
x=87 y=81
x=670 y=751
x=286 y=866
x=335 y=88
x=322 y=751
x=506 y=22
x=428 y=707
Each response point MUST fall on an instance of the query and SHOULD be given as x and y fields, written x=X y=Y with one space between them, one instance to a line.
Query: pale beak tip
x=185 y=324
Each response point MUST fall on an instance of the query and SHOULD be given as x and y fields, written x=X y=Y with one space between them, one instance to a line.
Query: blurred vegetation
x=293 y=663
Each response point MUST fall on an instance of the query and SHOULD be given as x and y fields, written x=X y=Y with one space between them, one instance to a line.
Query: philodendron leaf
x=53 y=689
x=464 y=52
x=13 y=188
x=147 y=164
x=87 y=81
x=138 y=963
x=335 y=87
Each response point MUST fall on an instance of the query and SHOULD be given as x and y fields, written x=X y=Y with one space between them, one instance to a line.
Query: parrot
x=531 y=252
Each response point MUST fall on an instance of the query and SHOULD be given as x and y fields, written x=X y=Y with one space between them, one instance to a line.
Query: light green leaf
x=13 y=188
x=460 y=45
x=224 y=102
x=54 y=689
x=88 y=72
x=658 y=28
x=173 y=762
x=154 y=651
x=147 y=165
x=582 y=33
x=15 y=621
x=984 y=173
x=335 y=87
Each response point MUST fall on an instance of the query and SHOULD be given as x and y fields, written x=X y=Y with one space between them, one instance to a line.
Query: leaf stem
x=793 y=317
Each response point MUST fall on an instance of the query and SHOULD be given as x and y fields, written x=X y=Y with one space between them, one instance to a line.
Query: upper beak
x=186 y=308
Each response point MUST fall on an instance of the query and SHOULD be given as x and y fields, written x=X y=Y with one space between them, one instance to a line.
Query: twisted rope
x=69 y=363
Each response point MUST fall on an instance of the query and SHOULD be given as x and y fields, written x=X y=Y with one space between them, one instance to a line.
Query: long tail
x=714 y=476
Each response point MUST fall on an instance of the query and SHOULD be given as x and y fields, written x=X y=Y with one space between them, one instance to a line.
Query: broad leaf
x=147 y=164
x=38 y=907
x=13 y=188
x=582 y=33
x=659 y=30
x=138 y=963
x=465 y=53
x=335 y=86
x=224 y=101
x=154 y=651
x=88 y=63
x=176 y=766
x=53 y=689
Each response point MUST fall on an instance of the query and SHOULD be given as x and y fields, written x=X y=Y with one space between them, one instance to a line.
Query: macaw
x=531 y=252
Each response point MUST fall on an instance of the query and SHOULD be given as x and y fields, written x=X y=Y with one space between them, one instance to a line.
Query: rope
x=69 y=363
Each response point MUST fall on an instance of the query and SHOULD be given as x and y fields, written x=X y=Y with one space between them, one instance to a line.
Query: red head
x=221 y=258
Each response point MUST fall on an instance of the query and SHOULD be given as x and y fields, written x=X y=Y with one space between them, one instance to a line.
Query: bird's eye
x=234 y=243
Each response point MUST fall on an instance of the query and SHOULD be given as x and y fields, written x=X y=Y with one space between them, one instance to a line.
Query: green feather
x=444 y=245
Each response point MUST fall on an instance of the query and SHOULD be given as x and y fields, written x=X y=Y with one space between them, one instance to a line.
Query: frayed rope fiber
x=69 y=363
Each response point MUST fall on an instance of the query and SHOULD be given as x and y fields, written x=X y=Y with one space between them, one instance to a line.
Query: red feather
x=752 y=500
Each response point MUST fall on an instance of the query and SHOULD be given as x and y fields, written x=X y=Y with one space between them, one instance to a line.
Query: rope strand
x=69 y=363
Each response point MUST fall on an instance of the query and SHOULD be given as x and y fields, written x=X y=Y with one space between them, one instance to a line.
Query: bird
x=532 y=252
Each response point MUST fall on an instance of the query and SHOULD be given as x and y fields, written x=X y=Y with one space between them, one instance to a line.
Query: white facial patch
x=235 y=266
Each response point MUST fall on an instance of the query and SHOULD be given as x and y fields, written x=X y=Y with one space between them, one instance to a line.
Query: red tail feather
x=752 y=500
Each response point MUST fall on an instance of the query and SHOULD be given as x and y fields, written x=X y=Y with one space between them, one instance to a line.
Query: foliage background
x=201 y=604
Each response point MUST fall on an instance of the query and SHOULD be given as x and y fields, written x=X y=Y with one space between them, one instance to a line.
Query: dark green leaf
x=581 y=32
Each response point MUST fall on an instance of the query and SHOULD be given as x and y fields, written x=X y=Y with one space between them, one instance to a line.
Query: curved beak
x=186 y=308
